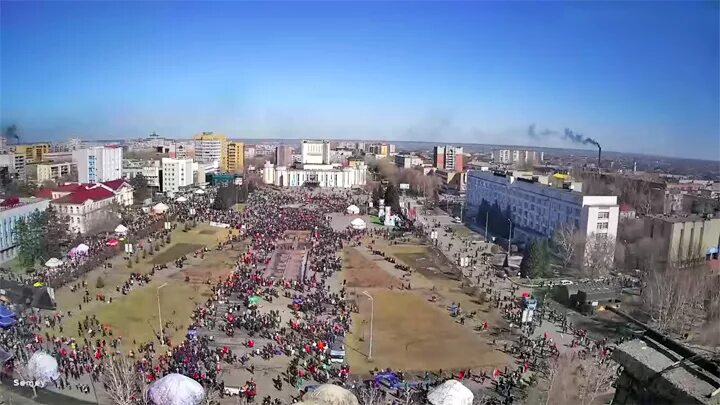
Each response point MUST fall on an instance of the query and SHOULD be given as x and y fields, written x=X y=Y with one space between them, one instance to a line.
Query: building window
x=604 y=215
x=602 y=226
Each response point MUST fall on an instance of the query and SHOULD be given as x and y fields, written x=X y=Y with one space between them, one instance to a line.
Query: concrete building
x=685 y=239
x=235 y=157
x=9 y=215
x=315 y=152
x=33 y=152
x=452 y=181
x=177 y=174
x=317 y=175
x=538 y=208
x=284 y=155
x=448 y=158
x=210 y=147
x=509 y=156
x=54 y=171
x=250 y=151
x=407 y=161
x=381 y=150
x=98 y=164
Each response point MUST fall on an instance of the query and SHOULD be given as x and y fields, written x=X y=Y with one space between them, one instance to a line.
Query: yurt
x=43 y=367
x=358 y=223
x=121 y=229
x=329 y=394
x=353 y=210
x=451 y=392
x=53 y=263
x=160 y=208
x=176 y=389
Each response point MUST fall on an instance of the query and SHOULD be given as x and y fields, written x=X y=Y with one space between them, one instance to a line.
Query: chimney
x=599 y=157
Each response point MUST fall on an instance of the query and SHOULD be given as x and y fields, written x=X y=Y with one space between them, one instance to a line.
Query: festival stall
x=53 y=263
x=181 y=199
x=82 y=248
x=176 y=389
x=358 y=224
x=7 y=317
x=160 y=208
x=353 y=210
x=199 y=192
x=112 y=242
x=121 y=229
x=451 y=392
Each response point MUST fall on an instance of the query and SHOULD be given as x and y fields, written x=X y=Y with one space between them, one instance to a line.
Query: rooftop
x=677 y=218
x=21 y=202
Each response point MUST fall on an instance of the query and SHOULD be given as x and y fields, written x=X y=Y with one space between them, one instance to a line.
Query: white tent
x=160 y=208
x=329 y=394
x=43 y=368
x=82 y=248
x=353 y=210
x=176 y=389
x=181 y=199
x=451 y=392
x=199 y=191
x=121 y=229
x=53 y=262
x=358 y=223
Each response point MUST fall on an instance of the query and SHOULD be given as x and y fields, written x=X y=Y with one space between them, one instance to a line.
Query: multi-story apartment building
x=212 y=148
x=509 y=156
x=315 y=152
x=283 y=155
x=10 y=213
x=55 y=171
x=33 y=152
x=98 y=164
x=380 y=149
x=448 y=158
x=176 y=174
x=538 y=209
x=683 y=240
x=235 y=157
x=407 y=161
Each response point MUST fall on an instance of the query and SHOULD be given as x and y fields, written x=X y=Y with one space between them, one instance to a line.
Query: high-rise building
x=211 y=148
x=508 y=156
x=98 y=164
x=235 y=157
x=448 y=158
x=176 y=174
x=315 y=152
x=283 y=156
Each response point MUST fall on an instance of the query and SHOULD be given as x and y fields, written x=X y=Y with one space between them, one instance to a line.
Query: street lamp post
x=162 y=336
x=510 y=236
x=372 y=316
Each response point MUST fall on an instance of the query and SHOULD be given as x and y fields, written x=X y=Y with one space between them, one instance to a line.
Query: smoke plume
x=11 y=132
x=579 y=138
x=533 y=133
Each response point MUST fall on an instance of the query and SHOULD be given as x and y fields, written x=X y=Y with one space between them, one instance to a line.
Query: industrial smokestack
x=599 y=155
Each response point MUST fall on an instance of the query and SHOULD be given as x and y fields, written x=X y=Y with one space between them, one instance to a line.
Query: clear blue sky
x=637 y=76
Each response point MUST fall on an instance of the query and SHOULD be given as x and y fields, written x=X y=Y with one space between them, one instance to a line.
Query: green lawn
x=462 y=231
x=239 y=206
x=175 y=252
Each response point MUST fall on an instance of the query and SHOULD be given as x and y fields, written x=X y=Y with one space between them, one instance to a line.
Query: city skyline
x=638 y=77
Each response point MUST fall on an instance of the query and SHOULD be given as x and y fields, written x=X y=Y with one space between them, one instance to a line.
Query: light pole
x=372 y=316
x=162 y=337
x=510 y=236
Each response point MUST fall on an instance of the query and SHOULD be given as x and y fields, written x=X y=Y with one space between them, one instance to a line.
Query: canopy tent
x=199 y=191
x=38 y=284
x=451 y=392
x=176 y=389
x=6 y=312
x=7 y=322
x=254 y=300
x=353 y=210
x=121 y=229
x=112 y=242
x=358 y=223
x=181 y=199
x=330 y=394
x=160 y=208
x=43 y=367
x=83 y=248
x=53 y=263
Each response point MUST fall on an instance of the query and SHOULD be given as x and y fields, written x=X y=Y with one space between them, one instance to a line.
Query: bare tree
x=212 y=396
x=566 y=241
x=598 y=255
x=673 y=300
x=369 y=395
x=122 y=382
x=580 y=381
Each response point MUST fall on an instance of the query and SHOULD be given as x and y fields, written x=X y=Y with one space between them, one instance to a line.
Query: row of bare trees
x=591 y=254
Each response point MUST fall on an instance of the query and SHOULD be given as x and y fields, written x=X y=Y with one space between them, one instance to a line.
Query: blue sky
x=637 y=76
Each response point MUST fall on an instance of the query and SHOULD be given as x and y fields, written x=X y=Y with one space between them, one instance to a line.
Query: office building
x=11 y=210
x=407 y=161
x=211 y=148
x=177 y=174
x=284 y=155
x=538 y=207
x=448 y=158
x=235 y=157
x=315 y=152
x=685 y=240
x=33 y=152
x=98 y=164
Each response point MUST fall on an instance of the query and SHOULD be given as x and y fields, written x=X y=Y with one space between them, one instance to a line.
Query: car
x=457 y=220
x=566 y=282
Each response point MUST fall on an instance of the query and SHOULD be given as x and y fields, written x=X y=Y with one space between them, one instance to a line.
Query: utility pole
x=372 y=315
x=487 y=218
x=162 y=336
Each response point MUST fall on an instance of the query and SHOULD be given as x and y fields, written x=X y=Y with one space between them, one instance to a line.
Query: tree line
x=41 y=236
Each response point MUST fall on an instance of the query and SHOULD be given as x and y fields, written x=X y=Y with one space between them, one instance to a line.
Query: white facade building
x=537 y=210
x=322 y=175
x=508 y=156
x=8 y=217
x=98 y=164
x=315 y=152
x=177 y=173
